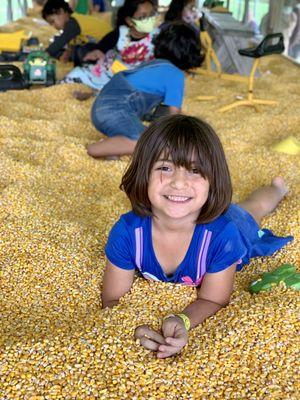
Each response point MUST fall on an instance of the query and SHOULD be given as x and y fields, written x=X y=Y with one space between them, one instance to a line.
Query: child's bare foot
x=114 y=146
x=280 y=184
x=81 y=96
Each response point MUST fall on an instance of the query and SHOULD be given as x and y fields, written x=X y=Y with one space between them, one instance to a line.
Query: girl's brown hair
x=186 y=141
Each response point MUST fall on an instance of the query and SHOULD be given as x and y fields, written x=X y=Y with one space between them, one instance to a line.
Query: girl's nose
x=179 y=179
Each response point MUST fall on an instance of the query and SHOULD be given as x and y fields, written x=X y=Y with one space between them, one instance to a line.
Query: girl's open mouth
x=177 y=199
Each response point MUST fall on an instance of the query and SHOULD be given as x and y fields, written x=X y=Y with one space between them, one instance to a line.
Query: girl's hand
x=176 y=337
x=65 y=57
x=95 y=55
x=149 y=338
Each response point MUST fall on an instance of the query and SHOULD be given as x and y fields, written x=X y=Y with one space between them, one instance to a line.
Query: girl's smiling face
x=175 y=192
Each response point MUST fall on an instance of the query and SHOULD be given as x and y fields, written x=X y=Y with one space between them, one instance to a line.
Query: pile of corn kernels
x=57 y=206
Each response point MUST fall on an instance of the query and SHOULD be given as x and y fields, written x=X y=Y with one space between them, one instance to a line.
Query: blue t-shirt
x=232 y=238
x=159 y=77
x=214 y=247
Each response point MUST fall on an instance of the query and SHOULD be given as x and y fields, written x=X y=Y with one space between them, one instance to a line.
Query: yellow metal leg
x=205 y=98
x=234 y=77
x=251 y=103
x=266 y=102
x=212 y=56
x=235 y=104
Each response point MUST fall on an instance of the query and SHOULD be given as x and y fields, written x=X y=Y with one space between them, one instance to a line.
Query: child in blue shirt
x=182 y=227
x=119 y=108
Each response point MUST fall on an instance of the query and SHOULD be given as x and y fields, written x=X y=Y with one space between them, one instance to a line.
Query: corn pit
x=57 y=206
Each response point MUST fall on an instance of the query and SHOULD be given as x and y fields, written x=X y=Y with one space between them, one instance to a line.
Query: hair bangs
x=181 y=146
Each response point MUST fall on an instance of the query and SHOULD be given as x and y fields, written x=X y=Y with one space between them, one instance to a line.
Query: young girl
x=130 y=43
x=182 y=227
x=119 y=108
x=184 y=10
x=76 y=28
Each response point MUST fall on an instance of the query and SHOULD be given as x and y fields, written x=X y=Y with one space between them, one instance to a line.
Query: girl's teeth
x=177 y=198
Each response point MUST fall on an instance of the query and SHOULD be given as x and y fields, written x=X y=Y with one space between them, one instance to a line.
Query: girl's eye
x=195 y=171
x=163 y=168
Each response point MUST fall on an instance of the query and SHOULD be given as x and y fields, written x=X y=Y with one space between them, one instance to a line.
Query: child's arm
x=66 y=55
x=107 y=43
x=214 y=294
x=116 y=283
x=71 y=30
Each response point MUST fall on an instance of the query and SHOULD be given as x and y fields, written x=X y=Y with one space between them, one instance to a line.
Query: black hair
x=129 y=8
x=190 y=143
x=53 y=6
x=179 y=43
x=176 y=7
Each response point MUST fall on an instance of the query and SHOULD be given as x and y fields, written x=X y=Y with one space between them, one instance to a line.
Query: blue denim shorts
x=119 y=108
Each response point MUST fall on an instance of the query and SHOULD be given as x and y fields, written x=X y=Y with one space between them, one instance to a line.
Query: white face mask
x=145 y=25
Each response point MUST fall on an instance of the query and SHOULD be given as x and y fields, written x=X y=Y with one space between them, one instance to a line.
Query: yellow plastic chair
x=210 y=55
x=206 y=68
x=263 y=49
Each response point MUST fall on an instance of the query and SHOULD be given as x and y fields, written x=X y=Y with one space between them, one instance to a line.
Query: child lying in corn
x=182 y=227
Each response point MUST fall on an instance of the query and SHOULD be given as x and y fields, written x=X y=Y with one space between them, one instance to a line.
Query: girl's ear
x=129 y=22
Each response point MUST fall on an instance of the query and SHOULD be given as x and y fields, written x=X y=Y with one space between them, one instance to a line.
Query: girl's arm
x=71 y=30
x=116 y=283
x=107 y=43
x=214 y=294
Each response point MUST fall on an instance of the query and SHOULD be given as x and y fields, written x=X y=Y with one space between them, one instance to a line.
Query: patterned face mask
x=145 y=25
